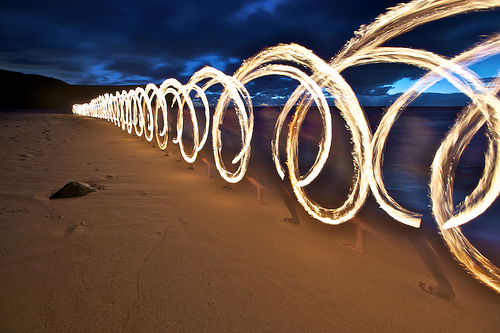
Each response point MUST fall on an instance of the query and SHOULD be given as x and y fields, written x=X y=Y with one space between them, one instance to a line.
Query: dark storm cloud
x=136 y=42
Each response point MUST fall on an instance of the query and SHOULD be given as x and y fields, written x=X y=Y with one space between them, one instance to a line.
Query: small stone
x=72 y=190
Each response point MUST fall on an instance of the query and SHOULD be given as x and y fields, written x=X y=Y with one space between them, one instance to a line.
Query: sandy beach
x=163 y=248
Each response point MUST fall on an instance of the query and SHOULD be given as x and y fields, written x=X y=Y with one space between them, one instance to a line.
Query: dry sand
x=163 y=248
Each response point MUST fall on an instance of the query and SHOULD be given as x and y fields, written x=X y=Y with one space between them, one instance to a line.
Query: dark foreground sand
x=163 y=248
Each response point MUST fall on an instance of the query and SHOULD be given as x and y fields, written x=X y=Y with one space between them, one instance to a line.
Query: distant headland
x=31 y=91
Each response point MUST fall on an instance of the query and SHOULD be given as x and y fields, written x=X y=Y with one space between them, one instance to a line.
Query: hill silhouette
x=38 y=92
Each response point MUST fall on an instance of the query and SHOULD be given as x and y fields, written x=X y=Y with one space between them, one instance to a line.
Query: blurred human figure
x=359 y=245
x=430 y=258
x=209 y=167
x=413 y=148
x=262 y=169
x=426 y=250
x=288 y=198
x=258 y=186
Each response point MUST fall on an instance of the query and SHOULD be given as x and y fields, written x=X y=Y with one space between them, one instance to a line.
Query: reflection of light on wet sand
x=146 y=111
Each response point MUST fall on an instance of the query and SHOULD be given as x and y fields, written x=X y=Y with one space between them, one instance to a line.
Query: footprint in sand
x=23 y=157
x=79 y=229
x=446 y=295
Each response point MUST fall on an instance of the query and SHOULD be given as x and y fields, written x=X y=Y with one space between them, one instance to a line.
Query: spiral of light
x=146 y=112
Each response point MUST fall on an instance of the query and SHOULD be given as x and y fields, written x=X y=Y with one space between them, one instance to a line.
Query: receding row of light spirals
x=145 y=111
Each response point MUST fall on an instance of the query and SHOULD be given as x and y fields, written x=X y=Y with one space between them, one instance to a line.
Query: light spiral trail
x=146 y=112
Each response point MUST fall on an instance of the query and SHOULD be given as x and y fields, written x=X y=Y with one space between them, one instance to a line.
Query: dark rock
x=72 y=190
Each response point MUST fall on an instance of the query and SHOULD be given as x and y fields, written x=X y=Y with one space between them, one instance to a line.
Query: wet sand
x=164 y=248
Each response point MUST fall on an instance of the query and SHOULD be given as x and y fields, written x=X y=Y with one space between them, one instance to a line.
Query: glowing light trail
x=146 y=112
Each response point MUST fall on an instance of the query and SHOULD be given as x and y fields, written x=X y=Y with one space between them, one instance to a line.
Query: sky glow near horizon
x=129 y=43
x=485 y=69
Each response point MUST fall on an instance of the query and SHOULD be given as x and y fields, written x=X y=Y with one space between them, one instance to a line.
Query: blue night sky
x=136 y=42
